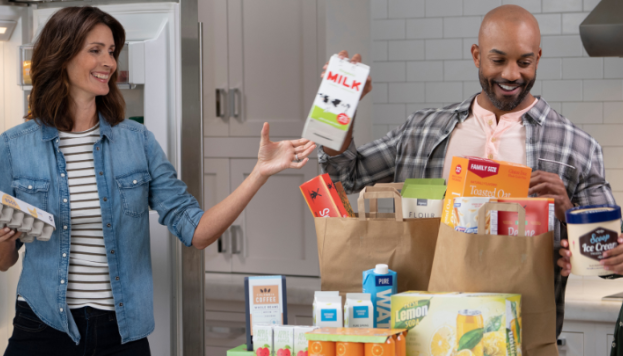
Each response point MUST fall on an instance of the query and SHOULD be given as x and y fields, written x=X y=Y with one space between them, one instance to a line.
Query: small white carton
x=329 y=311
x=263 y=340
x=300 y=341
x=336 y=102
x=358 y=311
x=283 y=340
x=316 y=295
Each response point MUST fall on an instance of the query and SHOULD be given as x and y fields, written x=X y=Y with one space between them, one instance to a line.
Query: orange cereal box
x=480 y=177
x=323 y=198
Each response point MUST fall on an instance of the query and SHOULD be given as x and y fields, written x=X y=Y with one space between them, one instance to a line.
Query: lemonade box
x=459 y=324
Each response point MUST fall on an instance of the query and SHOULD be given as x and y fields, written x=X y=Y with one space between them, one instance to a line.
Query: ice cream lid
x=593 y=214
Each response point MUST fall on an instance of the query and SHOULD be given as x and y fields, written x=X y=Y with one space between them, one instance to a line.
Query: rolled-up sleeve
x=6 y=172
x=168 y=195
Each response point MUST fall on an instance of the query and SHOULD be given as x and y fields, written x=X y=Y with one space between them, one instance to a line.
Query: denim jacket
x=132 y=174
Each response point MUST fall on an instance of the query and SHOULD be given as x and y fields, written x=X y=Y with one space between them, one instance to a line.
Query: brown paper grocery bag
x=503 y=264
x=349 y=246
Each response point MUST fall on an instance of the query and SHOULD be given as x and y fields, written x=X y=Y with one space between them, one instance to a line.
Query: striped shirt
x=89 y=281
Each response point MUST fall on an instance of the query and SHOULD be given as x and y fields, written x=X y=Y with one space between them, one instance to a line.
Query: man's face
x=508 y=59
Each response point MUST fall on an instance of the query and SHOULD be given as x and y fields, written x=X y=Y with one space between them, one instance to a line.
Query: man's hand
x=549 y=185
x=356 y=59
x=8 y=253
x=613 y=259
x=564 y=261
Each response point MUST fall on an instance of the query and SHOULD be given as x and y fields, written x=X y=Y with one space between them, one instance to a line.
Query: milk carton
x=263 y=340
x=336 y=102
x=300 y=341
x=358 y=311
x=283 y=340
x=328 y=311
x=381 y=283
x=319 y=294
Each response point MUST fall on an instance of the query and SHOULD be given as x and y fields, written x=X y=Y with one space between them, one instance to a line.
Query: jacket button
x=120 y=304
x=134 y=181
x=97 y=148
x=105 y=199
x=101 y=173
x=108 y=225
x=30 y=187
x=112 y=252
x=116 y=278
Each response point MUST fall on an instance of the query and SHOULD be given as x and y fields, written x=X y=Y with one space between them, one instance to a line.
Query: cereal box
x=540 y=217
x=323 y=198
x=459 y=323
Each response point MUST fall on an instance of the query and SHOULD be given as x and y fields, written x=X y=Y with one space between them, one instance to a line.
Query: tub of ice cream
x=591 y=231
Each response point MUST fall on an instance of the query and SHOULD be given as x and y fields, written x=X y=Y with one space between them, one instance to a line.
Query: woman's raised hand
x=274 y=157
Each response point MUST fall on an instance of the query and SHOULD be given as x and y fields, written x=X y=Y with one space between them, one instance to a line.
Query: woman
x=89 y=289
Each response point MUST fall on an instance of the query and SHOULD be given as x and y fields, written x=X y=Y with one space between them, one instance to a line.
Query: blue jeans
x=98 y=330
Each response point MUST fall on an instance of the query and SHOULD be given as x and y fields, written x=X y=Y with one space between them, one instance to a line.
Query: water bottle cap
x=381 y=269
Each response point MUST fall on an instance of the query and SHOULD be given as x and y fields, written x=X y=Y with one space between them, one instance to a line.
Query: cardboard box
x=300 y=341
x=323 y=198
x=328 y=312
x=540 y=217
x=423 y=198
x=447 y=323
x=358 y=311
x=365 y=335
x=336 y=102
x=479 y=177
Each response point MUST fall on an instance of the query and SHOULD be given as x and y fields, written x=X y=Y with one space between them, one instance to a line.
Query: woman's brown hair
x=59 y=42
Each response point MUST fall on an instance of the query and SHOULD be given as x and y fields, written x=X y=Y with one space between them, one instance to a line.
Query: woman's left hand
x=274 y=157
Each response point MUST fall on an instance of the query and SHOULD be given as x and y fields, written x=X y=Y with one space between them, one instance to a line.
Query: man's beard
x=504 y=104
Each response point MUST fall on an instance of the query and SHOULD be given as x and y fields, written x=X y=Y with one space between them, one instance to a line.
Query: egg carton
x=23 y=217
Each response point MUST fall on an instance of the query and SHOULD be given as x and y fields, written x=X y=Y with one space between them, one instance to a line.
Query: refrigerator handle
x=236 y=244
x=224 y=242
x=235 y=102
x=221 y=103
x=201 y=116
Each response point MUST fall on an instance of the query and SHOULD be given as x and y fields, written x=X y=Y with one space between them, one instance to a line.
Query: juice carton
x=318 y=294
x=381 y=283
x=358 y=311
x=323 y=199
x=328 y=311
x=448 y=323
x=336 y=102
x=479 y=177
x=540 y=217
x=283 y=340
x=263 y=340
x=300 y=341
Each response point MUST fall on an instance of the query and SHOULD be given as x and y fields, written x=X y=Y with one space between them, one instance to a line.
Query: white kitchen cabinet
x=216 y=187
x=587 y=338
x=573 y=345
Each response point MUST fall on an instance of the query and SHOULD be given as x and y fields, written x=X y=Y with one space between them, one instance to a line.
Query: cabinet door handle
x=224 y=242
x=221 y=103
x=561 y=342
x=235 y=103
x=236 y=239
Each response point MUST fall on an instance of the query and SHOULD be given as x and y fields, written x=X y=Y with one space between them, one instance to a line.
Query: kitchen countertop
x=582 y=302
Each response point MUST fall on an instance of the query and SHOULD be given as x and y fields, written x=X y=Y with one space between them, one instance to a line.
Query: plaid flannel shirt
x=418 y=148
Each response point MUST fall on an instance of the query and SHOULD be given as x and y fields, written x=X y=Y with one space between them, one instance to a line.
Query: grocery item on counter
x=356 y=341
x=388 y=348
x=328 y=311
x=23 y=217
x=401 y=345
x=321 y=348
x=315 y=304
x=336 y=102
x=358 y=311
x=381 y=283
x=263 y=340
x=423 y=197
x=474 y=324
x=344 y=198
x=323 y=199
x=540 y=217
x=591 y=231
x=266 y=304
x=349 y=349
x=283 y=340
x=465 y=215
x=300 y=341
x=479 y=177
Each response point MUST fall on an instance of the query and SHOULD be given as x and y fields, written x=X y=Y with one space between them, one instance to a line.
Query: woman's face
x=90 y=70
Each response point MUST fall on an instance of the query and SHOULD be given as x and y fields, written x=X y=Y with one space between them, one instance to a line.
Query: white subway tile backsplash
x=571 y=22
x=583 y=113
x=379 y=51
x=388 y=29
x=459 y=27
x=444 y=49
x=471 y=88
x=479 y=7
x=378 y=9
x=607 y=135
x=583 y=68
x=407 y=8
x=562 y=90
x=467 y=47
x=379 y=93
x=444 y=91
x=589 y=5
x=460 y=70
x=615 y=178
x=562 y=5
x=411 y=108
x=406 y=50
x=561 y=46
x=435 y=8
x=613 y=67
x=390 y=113
x=534 y=6
x=379 y=131
x=425 y=71
x=613 y=114
x=612 y=159
x=549 y=68
x=556 y=106
x=425 y=28
x=618 y=197
x=388 y=72
x=549 y=24
x=406 y=93
x=603 y=90
x=537 y=88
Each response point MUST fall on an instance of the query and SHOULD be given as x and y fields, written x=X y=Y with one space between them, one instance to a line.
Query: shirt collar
x=464 y=108
x=105 y=128
x=535 y=115
x=50 y=133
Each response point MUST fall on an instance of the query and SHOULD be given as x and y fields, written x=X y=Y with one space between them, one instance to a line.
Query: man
x=503 y=122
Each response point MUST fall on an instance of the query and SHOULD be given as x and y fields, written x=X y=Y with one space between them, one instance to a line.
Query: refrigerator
x=160 y=65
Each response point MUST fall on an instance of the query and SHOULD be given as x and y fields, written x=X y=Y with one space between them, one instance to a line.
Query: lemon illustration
x=494 y=343
x=377 y=350
x=316 y=347
x=465 y=353
x=441 y=344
